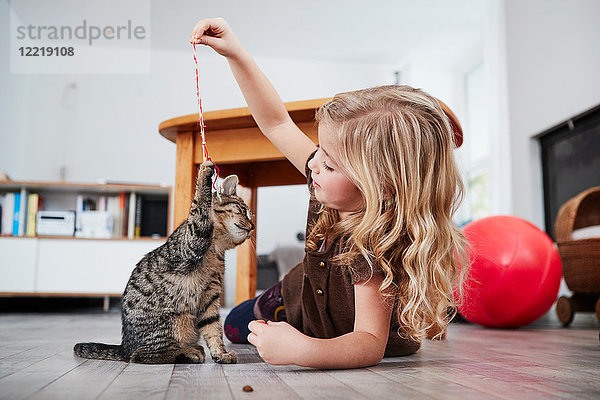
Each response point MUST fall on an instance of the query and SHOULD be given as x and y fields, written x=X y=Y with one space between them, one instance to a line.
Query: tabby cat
x=172 y=296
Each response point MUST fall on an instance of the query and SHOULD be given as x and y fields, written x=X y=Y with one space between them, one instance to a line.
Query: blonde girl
x=383 y=256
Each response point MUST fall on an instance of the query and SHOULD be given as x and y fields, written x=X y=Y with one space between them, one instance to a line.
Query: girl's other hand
x=278 y=343
x=217 y=34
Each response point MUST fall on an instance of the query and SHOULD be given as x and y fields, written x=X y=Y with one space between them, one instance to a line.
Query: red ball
x=515 y=272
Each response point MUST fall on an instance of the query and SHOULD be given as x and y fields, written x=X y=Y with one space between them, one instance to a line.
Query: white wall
x=495 y=76
x=552 y=63
x=12 y=128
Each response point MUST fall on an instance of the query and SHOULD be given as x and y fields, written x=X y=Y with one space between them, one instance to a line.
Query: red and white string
x=205 y=156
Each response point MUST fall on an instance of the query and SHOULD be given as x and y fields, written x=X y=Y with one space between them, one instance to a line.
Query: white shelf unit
x=69 y=266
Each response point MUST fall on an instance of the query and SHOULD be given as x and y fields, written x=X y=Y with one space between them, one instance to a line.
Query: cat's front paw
x=191 y=355
x=225 y=358
x=207 y=170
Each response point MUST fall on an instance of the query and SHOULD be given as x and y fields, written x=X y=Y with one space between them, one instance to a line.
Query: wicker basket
x=580 y=258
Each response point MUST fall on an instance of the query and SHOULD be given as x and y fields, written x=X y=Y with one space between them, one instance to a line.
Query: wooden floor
x=536 y=362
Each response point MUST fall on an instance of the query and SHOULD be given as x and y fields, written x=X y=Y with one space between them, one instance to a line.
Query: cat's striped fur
x=172 y=297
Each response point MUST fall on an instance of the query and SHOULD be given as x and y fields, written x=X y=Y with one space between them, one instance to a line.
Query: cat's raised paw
x=225 y=358
x=207 y=170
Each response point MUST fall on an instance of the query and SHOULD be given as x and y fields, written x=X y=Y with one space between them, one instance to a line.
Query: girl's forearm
x=264 y=102
x=352 y=350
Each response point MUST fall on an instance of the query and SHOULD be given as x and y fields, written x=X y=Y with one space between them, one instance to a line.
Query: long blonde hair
x=395 y=144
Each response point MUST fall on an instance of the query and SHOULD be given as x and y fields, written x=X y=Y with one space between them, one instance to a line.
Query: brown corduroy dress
x=319 y=296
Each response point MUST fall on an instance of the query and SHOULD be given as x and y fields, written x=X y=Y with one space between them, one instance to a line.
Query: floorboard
x=87 y=381
x=261 y=377
x=426 y=382
x=540 y=361
x=364 y=381
x=203 y=381
x=23 y=359
x=30 y=380
x=148 y=381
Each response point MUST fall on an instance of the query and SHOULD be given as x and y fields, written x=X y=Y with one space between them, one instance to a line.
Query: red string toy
x=205 y=156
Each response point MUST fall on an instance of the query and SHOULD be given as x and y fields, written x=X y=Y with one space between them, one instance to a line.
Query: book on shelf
x=138 y=217
x=123 y=214
x=7 y=213
x=102 y=203
x=113 y=208
x=32 y=210
x=131 y=216
x=16 y=214
x=23 y=212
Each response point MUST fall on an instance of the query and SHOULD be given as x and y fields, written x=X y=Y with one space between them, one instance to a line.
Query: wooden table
x=238 y=147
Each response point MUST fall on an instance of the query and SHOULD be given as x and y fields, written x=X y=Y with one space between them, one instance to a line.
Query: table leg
x=185 y=174
x=246 y=253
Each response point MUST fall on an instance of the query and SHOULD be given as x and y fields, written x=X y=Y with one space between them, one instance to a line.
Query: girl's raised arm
x=264 y=102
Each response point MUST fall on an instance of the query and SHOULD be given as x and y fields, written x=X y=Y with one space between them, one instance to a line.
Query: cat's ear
x=229 y=185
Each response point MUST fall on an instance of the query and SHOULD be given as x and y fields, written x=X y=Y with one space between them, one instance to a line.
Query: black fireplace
x=570 y=161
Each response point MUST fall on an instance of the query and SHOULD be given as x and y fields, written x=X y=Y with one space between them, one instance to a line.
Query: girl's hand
x=216 y=33
x=278 y=343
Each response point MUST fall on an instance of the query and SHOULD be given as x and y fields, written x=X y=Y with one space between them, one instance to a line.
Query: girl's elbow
x=371 y=360
x=379 y=356
x=375 y=355
x=374 y=349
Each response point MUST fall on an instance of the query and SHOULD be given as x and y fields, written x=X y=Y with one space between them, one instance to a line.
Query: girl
x=382 y=253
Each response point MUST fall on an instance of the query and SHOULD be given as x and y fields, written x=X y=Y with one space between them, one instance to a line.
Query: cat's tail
x=100 y=351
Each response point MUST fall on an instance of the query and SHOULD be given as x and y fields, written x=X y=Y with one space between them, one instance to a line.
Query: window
x=474 y=156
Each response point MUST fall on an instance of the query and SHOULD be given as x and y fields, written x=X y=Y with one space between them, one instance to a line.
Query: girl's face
x=333 y=188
